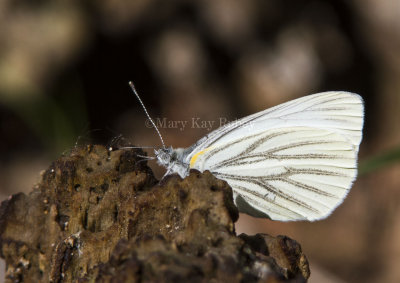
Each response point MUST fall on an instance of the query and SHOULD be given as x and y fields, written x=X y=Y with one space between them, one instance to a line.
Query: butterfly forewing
x=341 y=112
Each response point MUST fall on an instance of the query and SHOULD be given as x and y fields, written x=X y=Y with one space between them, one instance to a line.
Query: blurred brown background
x=65 y=67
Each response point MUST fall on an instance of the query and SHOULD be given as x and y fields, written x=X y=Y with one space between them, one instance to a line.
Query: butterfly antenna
x=147 y=114
x=131 y=147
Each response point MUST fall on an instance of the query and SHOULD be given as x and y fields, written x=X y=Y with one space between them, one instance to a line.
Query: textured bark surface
x=101 y=216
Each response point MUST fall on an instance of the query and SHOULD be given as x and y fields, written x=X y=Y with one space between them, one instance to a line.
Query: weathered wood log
x=100 y=216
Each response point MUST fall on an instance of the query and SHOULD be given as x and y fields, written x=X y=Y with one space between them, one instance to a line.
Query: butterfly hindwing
x=295 y=161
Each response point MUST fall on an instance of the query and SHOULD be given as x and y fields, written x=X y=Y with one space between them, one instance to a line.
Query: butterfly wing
x=295 y=161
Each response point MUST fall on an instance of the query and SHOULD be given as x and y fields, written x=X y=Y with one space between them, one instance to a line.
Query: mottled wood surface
x=99 y=215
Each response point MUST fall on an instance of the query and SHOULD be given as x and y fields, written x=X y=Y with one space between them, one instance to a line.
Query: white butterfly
x=295 y=161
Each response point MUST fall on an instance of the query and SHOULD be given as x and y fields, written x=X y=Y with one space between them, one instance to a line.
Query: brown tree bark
x=100 y=216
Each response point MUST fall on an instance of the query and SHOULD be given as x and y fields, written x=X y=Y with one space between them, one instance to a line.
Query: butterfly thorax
x=172 y=159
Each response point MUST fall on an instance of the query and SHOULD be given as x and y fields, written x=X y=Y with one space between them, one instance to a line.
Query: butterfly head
x=164 y=156
x=172 y=159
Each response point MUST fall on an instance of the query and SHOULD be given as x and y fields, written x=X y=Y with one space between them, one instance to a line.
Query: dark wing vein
x=268 y=189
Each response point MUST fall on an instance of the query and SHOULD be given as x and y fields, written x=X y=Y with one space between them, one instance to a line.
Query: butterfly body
x=295 y=161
